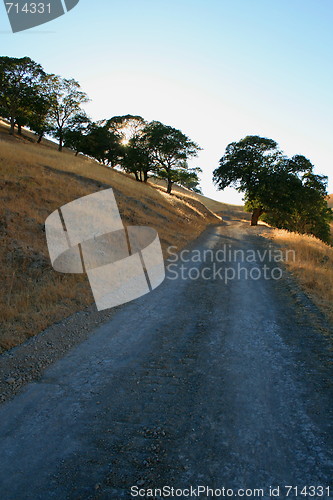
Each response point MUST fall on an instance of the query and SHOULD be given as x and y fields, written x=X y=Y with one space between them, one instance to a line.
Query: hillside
x=330 y=204
x=330 y=201
x=36 y=180
x=217 y=207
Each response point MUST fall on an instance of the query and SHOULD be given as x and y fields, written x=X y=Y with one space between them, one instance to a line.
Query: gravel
x=27 y=362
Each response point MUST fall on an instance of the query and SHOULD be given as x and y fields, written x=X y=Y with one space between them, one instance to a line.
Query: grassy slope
x=35 y=181
x=330 y=204
x=215 y=206
x=313 y=266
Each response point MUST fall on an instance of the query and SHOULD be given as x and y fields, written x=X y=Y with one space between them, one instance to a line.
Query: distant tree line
x=282 y=191
x=51 y=105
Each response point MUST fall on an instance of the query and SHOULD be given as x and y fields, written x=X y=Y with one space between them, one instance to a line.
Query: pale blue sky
x=216 y=69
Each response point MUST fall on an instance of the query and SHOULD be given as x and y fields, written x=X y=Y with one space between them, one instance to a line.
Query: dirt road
x=201 y=382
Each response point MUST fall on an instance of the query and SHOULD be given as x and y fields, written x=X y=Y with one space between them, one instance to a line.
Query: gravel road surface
x=198 y=383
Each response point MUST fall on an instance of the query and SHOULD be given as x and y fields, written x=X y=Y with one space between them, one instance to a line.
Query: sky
x=216 y=69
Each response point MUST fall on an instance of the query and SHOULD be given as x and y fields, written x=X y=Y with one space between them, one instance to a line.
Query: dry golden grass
x=313 y=266
x=35 y=181
x=217 y=207
x=330 y=204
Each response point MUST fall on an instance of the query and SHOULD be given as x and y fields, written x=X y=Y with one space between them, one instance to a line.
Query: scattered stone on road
x=199 y=382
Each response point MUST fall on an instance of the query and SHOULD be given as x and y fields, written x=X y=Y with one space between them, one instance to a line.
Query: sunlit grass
x=35 y=181
x=313 y=266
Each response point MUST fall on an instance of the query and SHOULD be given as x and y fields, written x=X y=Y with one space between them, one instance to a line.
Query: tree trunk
x=169 y=186
x=145 y=176
x=76 y=153
x=19 y=129
x=257 y=212
x=12 y=125
x=60 y=143
x=136 y=176
x=40 y=138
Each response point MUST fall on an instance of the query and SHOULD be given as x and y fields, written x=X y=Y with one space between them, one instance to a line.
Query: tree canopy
x=20 y=81
x=170 y=150
x=282 y=191
x=51 y=105
x=66 y=101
